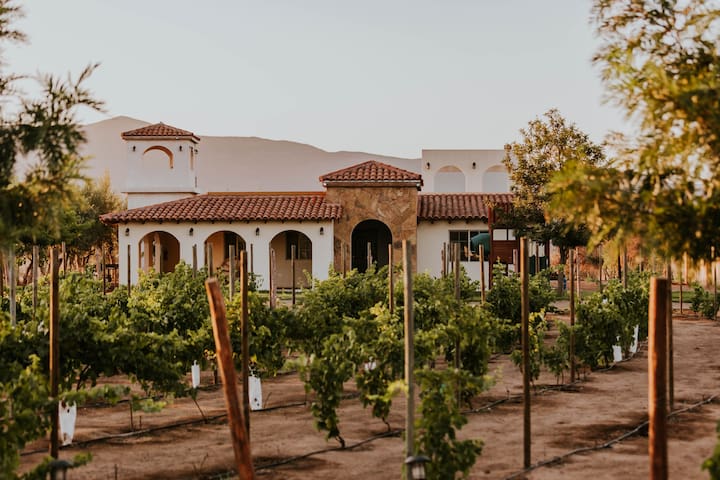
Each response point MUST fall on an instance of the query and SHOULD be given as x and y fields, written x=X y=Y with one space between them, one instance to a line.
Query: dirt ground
x=285 y=445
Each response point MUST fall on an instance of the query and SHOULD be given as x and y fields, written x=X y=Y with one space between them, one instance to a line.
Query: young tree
x=547 y=145
x=659 y=61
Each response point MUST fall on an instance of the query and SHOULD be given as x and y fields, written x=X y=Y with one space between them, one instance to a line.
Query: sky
x=389 y=77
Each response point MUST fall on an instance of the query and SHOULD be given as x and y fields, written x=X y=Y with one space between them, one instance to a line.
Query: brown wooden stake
x=683 y=277
x=64 y=258
x=2 y=274
x=210 y=261
x=537 y=258
x=657 y=365
x=293 y=253
x=12 y=278
x=391 y=285
x=577 y=273
x=670 y=365
x=128 y=270
x=54 y=351
x=271 y=280
x=456 y=283
x=369 y=255
x=194 y=260
x=443 y=266
x=35 y=271
x=525 y=297
x=516 y=266
x=482 y=273
x=600 y=271
x=102 y=269
x=231 y=269
x=572 y=318
x=238 y=429
x=245 y=339
x=252 y=266
x=409 y=352
x=625 y=267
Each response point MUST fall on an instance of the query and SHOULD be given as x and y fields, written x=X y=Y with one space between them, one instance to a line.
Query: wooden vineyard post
x=271 y=280
x=657 y=380
x=194 y=260
x=456 y=282
x=2 y=274
x=391 y=285
x=683 y=277
x=12 y=279
x=128 y=270
x=625 y=267
x=669 y=333
x=293 y=254
x=482 y=273
x=35 y=271
x=369 y=256
x=409 y=352
x=525 y=296
x=537 y=258
x=572 y=319
x=600 y=269
x=238 y=432
x=516 y=266
x=102 y=269
x=245 y=339
x=252 y=266
x=64 y=258
x=231 y=270
x=443 y=267
x=54 y=353
x=577 y=272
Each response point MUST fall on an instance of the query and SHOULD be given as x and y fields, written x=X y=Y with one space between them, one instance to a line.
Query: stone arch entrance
x=378 y=236
x=159 y=251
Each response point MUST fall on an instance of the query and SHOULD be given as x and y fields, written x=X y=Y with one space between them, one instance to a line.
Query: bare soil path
x=602 y=406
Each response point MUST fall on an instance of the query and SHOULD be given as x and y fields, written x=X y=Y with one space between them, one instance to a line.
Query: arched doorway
x=376 y=234
x=159 y=251
x=282 y=244
x=219 y=243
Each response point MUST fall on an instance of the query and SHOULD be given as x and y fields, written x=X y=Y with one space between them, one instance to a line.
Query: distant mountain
x=230 y=163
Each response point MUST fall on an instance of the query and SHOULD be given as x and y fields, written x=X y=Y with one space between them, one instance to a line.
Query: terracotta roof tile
x=459 y=206
x=159 y=130
x=232 y=207
x=372 y=172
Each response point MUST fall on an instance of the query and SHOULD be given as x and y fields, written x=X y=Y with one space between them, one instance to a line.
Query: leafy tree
x=659 y=62
x=547 y=145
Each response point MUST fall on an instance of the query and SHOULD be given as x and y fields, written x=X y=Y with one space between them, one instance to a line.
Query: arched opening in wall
x=157 y=158
x=375 y=236
x=449 y=180
x=159 y=251
x=219 y=244
x=496 y=180
x=282 y=244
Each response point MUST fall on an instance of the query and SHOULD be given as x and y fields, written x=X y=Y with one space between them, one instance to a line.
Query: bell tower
x=162 y=164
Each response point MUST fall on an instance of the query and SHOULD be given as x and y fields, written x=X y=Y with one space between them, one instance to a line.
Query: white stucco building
x=349 y=217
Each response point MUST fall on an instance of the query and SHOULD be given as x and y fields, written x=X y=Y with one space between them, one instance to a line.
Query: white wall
x=322 y=245
x=431 y=237
x=477 y=179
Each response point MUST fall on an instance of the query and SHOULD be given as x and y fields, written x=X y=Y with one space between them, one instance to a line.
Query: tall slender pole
x=369 y=255
x=223 y=349
x=245 y=339
x=35 y=270
x=391 y=285
x=252 y=266
x=64 y=258
x=625 y=266
x=577 y=272
x=194 y=260
x=443 y=267
x=525 y=296
x=572 y=318
x=12 y=277
x=231 y=269
x=54 y=351
x=600 y=270
x=482 y=273
x=129 y=282
x=683 y=277
x=293 y=253
x=2 y=274
x=537 y=258
x=456 y=283
x=516 y=265
x=657 y=364
x=102 y=268
x=670 y=360
x=409 y=352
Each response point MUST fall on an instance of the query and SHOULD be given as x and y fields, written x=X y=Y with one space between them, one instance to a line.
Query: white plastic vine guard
x=633 y=347
x=68 y=415
x=617 y=353
x=255 y=392
x=195 y=372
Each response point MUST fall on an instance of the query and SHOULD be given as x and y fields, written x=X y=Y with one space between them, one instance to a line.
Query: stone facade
x=395 y=206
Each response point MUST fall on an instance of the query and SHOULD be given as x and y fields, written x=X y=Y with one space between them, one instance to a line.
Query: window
x=469 y=241
x=303 y=246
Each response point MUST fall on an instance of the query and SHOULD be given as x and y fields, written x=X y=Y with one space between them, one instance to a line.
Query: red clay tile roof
x=372 y=173
x=232 y=207
x=459 y=206
x=159 y=130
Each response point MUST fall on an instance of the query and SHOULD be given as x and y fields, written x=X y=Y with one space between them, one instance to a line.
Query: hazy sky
x=383 y=76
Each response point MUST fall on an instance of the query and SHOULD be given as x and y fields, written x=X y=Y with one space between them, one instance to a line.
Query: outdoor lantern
x=127 y=232
x=322 y=231
x=257 y=231
x=60 y=466
x=416 y=467
x=192 y=230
